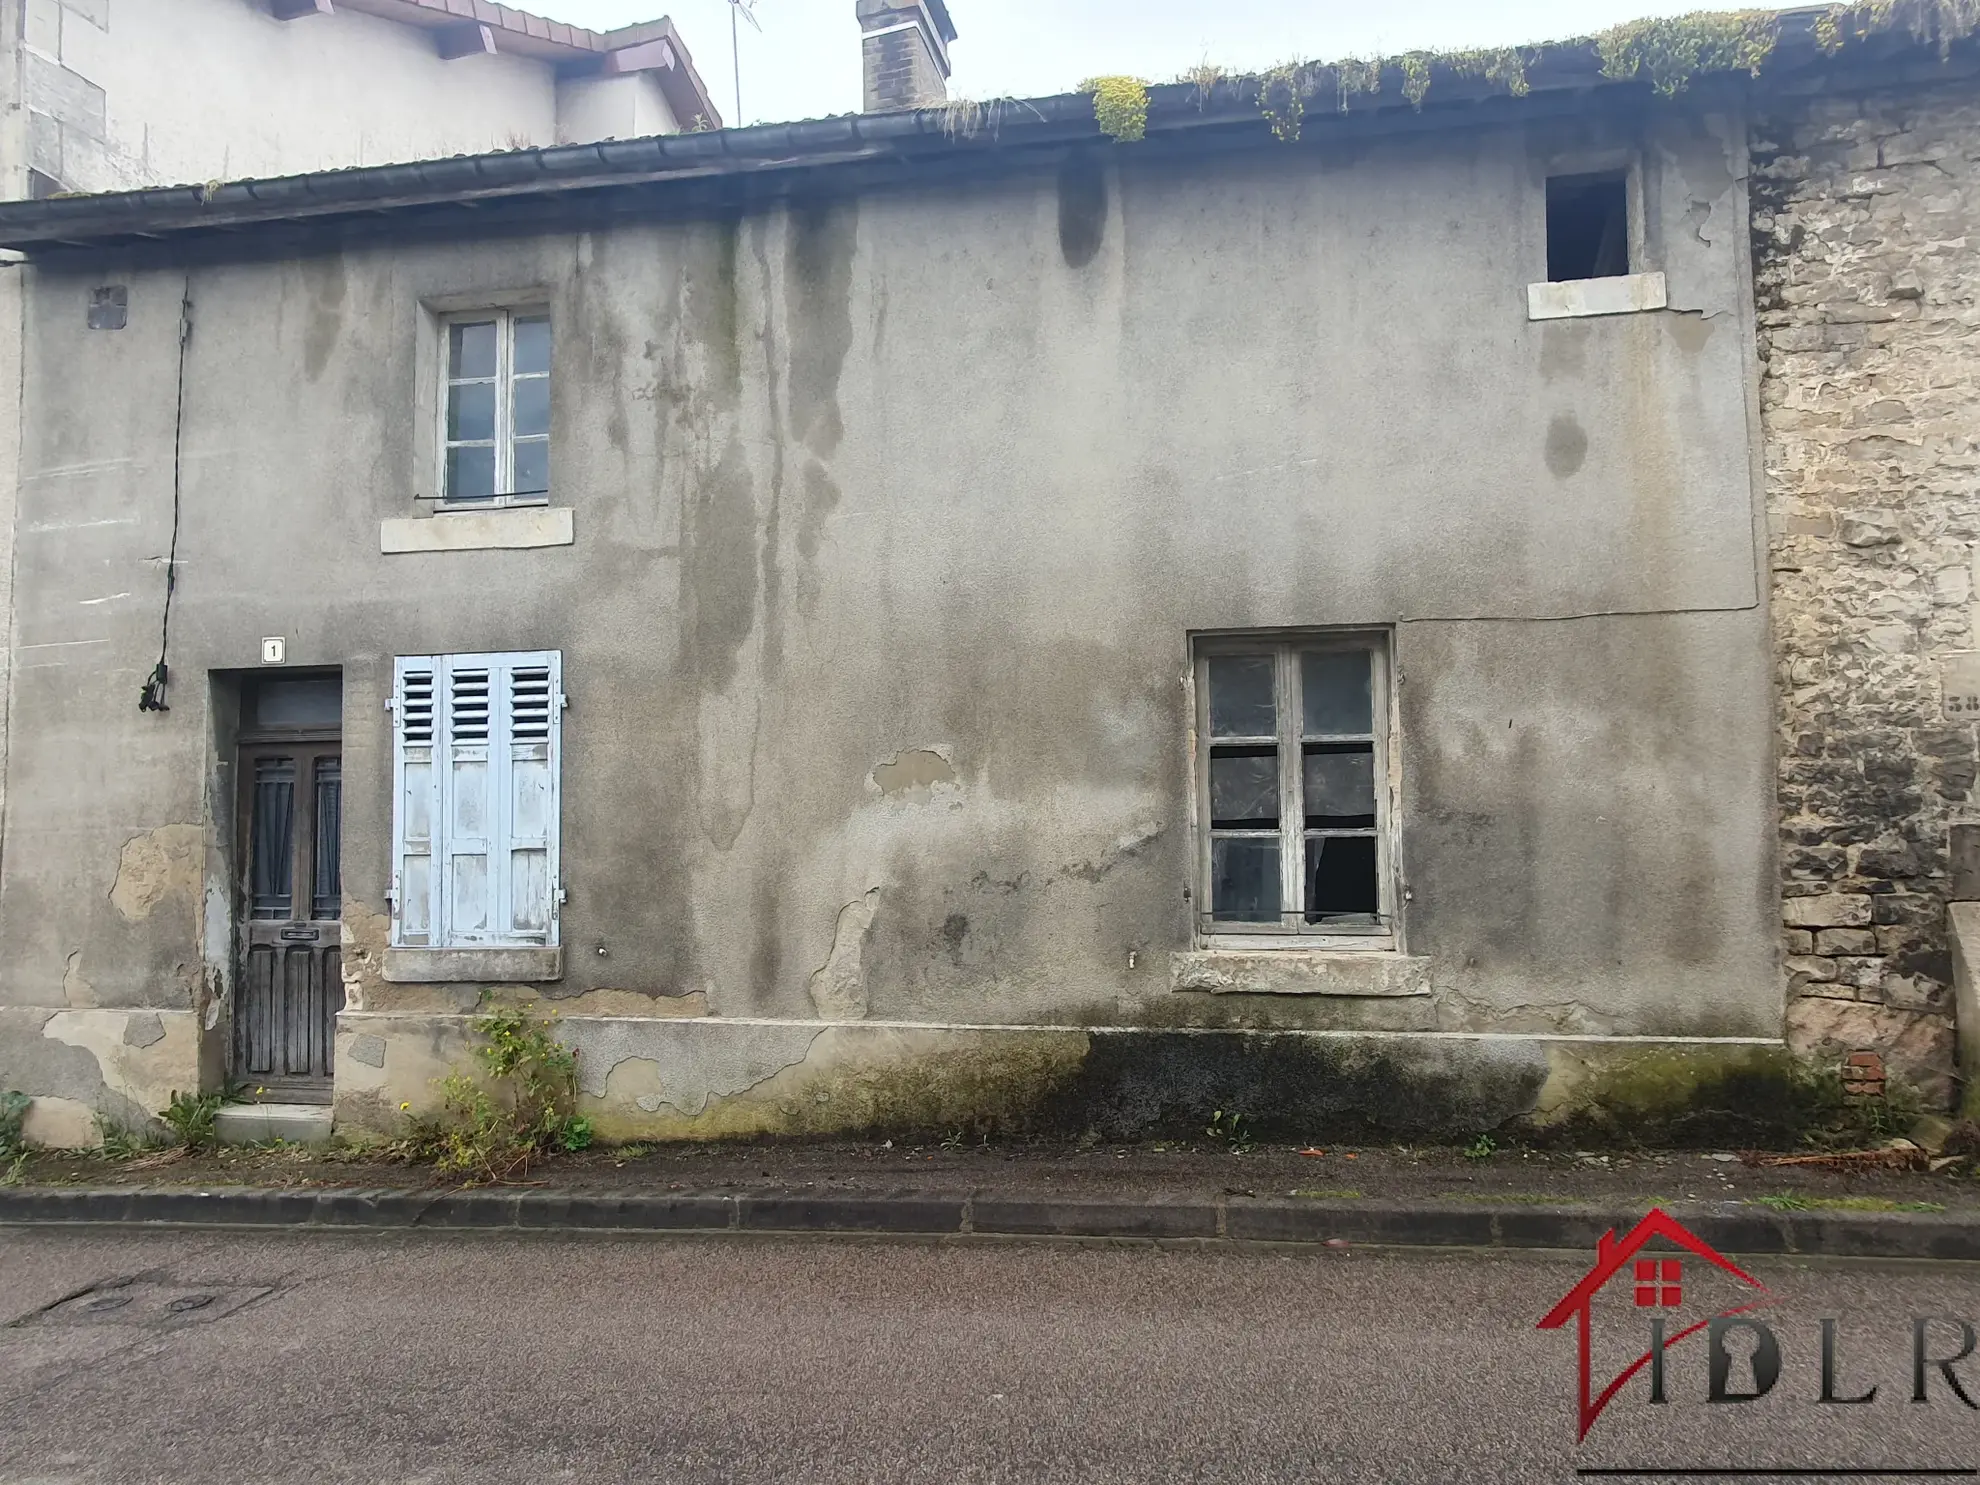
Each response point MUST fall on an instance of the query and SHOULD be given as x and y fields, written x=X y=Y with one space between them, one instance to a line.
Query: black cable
x=152 y=697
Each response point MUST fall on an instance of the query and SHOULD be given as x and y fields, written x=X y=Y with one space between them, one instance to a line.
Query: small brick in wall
x=1865 y=209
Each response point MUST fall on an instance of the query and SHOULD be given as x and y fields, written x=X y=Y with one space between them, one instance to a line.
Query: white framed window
x=495 y=408
x=476 y=762
x=1295 y=790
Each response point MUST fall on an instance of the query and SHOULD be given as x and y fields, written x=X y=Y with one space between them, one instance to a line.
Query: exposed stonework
x=838 y=987
x=157 y=865
x=1866 y=209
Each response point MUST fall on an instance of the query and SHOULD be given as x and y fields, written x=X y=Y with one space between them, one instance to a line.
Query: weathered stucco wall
x=1867 y=205
x=894 y=516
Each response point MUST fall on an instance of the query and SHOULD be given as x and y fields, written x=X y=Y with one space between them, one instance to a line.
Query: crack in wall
x=654 y=1067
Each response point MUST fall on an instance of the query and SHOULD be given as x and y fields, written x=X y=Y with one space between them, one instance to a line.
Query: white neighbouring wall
x=128 y=93
x=111 y=95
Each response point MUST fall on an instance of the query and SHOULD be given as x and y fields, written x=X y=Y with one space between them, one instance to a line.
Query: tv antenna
x=740 y=10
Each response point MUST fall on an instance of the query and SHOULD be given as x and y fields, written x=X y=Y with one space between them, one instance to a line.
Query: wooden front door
x=290 y=987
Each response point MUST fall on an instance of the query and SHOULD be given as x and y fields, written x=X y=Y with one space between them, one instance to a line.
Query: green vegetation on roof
x=1669 y=54
x=1120 y=105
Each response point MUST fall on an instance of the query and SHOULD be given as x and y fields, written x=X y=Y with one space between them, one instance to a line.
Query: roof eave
x=1563 y=74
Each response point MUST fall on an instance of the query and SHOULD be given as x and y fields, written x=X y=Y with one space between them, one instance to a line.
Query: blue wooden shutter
x=469 y=825
x=477 y=822
x=416 y=728
x=531 y=737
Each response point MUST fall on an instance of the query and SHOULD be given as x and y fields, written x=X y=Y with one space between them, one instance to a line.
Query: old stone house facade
x=110 y=95
x=950 y=617
x=1865 y=212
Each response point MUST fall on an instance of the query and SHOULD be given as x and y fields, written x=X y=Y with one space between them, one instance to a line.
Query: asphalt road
x=275 y=1358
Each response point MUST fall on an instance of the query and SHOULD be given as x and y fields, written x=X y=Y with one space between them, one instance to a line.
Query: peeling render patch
x=365 y=935
x=144 y=1070
x=915 y=769
x=81 y=1065
x=690 y=1070
x=838 y=987
x=216 y=936
x=156 y=865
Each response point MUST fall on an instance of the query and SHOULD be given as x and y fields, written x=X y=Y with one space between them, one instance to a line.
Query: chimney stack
x=906 y=53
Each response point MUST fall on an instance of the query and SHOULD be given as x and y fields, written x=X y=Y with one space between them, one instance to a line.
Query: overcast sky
x=805 y=61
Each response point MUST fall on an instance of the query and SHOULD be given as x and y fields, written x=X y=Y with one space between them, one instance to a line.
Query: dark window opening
x=1244 y=788
x=1587 y=227
x=109 y=307
x=327 y=876
x=1244 y=879
x=1340 y=878
x=41 y=185
x=312 y=701
x=1340 y=786
x=270 y=864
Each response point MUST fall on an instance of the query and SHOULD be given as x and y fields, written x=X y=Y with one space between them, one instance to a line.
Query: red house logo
x=1657 y=1284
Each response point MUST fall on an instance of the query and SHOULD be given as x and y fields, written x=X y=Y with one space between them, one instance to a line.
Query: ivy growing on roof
x=1669 y=54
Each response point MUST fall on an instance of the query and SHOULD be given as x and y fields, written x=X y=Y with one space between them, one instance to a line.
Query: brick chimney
x=906 y=52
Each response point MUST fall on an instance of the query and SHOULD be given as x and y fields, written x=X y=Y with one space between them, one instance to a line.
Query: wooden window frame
x=1285 y=649
x=504 y=318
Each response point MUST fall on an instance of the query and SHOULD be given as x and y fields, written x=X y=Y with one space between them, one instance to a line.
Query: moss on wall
x=1726 y=1097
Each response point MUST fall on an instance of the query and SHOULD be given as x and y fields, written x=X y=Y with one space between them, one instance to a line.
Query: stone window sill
x=1631 y=293
x=1299 y=972
x=484 y=529
x=492 y=966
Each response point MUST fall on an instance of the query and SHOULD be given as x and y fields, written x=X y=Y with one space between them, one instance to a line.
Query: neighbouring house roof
x=582 y=185
x=651 y=45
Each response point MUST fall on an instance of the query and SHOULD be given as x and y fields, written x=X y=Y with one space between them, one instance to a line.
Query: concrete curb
x=1730 y=1228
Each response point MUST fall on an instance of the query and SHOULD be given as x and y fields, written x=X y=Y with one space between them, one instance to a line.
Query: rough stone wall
x=1866 y=217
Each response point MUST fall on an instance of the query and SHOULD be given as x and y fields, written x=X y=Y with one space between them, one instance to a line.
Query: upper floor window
x=1587 y=226
x=496 y=412
x=1294 y=788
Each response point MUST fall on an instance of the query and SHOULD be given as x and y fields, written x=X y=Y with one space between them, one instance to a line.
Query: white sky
x=805 y=62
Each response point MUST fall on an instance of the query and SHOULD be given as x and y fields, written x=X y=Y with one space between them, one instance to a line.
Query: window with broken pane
x=496 y=412
x=1294 y=790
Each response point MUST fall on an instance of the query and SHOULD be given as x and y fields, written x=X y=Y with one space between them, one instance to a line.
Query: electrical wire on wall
x=152 y=697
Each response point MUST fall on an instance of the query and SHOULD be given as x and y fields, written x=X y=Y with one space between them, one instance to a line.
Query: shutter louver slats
x=416 y=706
x=529 y=702
x=532 y=798
x=416 y=803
